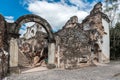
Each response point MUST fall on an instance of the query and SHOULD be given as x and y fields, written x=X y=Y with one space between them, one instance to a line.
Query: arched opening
x=37 y=19
x=97 y=52
x=34 y=44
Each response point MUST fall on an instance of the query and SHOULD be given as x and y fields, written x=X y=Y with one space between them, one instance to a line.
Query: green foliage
x=115 y=41
x=117 y=26
x=111 y=9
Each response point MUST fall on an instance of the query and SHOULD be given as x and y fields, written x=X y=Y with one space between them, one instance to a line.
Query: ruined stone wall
x=2 y=31
x=81 y=42
x=78 y=42
x=3 y=48
x=31 y=30
x=31 y=48
x=74 y=44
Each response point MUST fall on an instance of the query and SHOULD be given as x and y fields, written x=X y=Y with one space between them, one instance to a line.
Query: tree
x=115 y=41
x=111 y=9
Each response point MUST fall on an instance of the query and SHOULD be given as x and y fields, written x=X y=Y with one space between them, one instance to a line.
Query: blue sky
x=12 y=8
x=56 y=12
x=16 y=8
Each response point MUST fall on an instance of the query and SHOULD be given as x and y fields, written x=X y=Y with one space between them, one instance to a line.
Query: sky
x=56 y=12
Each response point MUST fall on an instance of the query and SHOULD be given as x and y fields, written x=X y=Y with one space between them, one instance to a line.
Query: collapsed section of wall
x=84 y=42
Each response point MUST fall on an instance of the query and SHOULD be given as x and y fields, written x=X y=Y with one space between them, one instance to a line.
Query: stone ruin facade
x=84 y=42
x=78 y=43
x=75 y=44
x=9 y=45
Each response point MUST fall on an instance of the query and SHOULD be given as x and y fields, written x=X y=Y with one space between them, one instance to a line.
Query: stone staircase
x=22 y=60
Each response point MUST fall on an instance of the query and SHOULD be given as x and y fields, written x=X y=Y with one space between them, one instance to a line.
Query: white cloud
x=79 y=3
x=57 y=13
x=9 y=19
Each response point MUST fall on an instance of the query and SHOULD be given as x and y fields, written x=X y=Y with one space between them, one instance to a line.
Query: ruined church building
x=75 y=43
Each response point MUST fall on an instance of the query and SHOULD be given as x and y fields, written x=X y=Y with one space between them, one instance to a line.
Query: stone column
x=51 y=53
x=58 y=56
x=13 y=53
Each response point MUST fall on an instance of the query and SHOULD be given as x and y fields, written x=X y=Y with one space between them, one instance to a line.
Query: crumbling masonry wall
x=82 y=42
x=76 y=42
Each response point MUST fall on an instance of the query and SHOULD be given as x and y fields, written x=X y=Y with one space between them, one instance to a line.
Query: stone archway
x=45 y=25
x=37 y=19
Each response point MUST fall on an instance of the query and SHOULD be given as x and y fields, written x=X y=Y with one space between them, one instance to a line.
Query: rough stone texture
x=82 y=40
x=11 y=30
x=3 y=48
x=78 y=41
x=2 y=32
x=94 y=23
x=37 y=19
x=32 y=47
x=3 y=64
x=74 y=43
x=31 y=30
x=72 y=22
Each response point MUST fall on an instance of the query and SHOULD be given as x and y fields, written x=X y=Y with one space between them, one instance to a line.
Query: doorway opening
x=32 y=46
